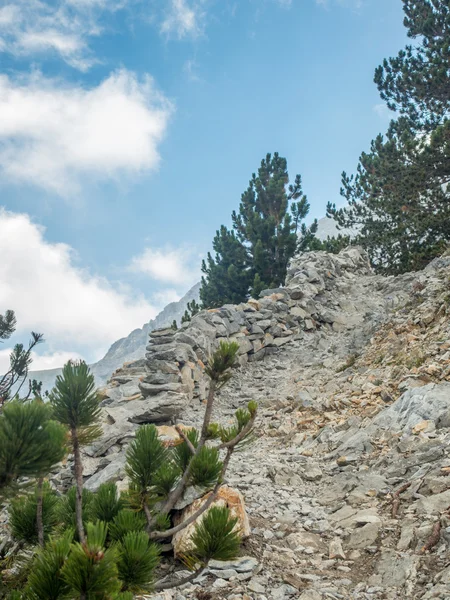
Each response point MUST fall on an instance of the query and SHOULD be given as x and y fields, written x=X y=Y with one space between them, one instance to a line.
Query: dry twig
x=396 y=498
x=433 y=539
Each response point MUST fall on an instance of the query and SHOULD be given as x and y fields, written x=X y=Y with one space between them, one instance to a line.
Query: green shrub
x=124 y=522
x=23 y=511
x=106 y=503
x=138 y=558
x=66 y=508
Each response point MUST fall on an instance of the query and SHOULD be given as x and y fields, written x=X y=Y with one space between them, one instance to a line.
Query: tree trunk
x=39 y=509
x=78 y=467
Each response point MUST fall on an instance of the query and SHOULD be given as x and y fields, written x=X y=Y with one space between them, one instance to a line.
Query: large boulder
x=233 y=499
x=163 y=408
x=428 y=403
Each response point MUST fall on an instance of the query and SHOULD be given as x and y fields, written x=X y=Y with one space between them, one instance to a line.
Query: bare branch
x=213 y=495
x=240 y=436
x=172 y=583
x=185 y=438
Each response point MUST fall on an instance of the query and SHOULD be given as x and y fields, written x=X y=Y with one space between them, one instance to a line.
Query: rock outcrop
x=172 y=375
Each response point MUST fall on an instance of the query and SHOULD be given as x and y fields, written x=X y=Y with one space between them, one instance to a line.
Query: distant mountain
x=128 y=348
x=327 y=228
x=132 y=347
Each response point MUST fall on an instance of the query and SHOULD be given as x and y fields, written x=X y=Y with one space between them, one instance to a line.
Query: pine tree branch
x=165 y=585
x=176 y=494
x=240 y=436
x=39 y=512
x=213 y=495
x=185 y=438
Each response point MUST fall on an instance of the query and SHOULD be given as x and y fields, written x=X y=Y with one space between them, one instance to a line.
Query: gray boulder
x=428 y=403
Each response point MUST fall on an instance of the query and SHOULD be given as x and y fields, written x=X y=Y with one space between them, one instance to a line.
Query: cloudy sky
x=129 y=129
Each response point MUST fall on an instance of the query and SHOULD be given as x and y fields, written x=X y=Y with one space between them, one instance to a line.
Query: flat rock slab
x=427 y=403
x=433 y=504
x=162 y=408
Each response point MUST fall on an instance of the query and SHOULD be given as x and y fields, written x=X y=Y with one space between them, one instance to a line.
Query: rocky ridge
x=347 y=480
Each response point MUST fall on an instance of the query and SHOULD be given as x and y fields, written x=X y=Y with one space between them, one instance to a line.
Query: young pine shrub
x=90 y=571
x=117 y=556
x=23 y=515
x=31 y=443
x=137 y=560
x=216 y=537
x=67 y=512
x=106 y=503
x=124 y=522
x=44 y=581
x=206 y=467
x=75 y=404
x=147 y=457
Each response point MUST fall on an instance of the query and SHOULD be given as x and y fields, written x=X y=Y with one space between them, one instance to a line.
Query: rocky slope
x=346 y=482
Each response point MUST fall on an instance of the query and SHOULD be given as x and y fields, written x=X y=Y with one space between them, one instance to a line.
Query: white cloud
x=54 y=135
x=177 y=266
x=41 y=362
x=383 y=112
x=190 y=68
x=30 y=27
x=73 y=308
x=183 y=19
x=165 y=297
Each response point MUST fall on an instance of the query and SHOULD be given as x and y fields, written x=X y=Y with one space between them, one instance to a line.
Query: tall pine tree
x=75 y=404
x=415 y=83
x=227 y=275
x=264 y=224
x=254 y=255
x=398 y=198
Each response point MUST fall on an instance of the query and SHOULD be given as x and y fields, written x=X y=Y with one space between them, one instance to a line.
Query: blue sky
x=129 y=129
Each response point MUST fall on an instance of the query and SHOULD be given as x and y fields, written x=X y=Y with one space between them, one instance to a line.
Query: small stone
x=423 y=427
x=254 y=586
x=335 y=549
x=310 y=595
x=312 y=473
x=364 y=536
x=342 y=461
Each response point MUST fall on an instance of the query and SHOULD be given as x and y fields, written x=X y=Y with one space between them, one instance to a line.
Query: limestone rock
x=227 y=496
x=427 y=403
x=162 y=408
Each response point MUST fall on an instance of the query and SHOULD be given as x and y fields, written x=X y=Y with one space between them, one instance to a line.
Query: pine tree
x=19 y=360
x=192 y=309
x=31 y=444
x=75 y=404
x=255 y=254
x=23 y=515
x=264 y=222
x=117 y=549
x=227 y=275
x=398 y=199
x=415 y=83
